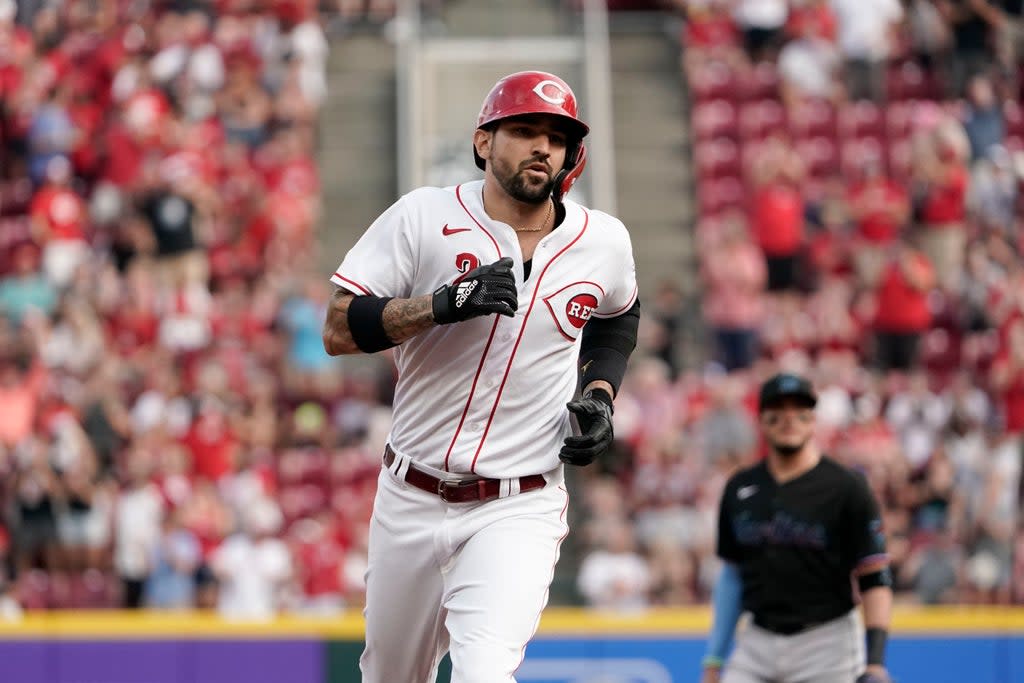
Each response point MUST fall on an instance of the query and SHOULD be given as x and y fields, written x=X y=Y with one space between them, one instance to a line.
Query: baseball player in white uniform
x=505 y=301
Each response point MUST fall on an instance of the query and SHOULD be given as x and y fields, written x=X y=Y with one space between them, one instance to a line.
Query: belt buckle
x=442 y=487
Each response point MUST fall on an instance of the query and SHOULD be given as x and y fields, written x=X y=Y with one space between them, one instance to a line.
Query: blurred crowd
x=858 y=170
x=173 y=435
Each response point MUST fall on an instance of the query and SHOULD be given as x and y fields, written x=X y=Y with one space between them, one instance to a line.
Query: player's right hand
x=484 y=290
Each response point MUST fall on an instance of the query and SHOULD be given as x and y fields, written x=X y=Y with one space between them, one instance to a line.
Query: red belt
x=460 y=490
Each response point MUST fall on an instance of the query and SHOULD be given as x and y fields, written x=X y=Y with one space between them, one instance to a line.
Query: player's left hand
x=594 y=414
x=874 y=674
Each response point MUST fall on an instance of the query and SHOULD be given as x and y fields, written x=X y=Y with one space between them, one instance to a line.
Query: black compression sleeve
x=366 y=323
x=606 y=346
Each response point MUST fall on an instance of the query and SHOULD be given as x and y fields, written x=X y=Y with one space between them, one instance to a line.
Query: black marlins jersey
x=796 y=543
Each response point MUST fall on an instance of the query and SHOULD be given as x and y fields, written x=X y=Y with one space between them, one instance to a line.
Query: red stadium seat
x=861 y=120
x=715 y=196
x=91 y=590
x=33 y=590
x=715 y=81
x=714 y=118
x=1014 y=116
x=900 y=159
x=907 y=81
x=317 y=469
x=716 y=159
x=760 y=119
x=855 y=153
x=761 y=82
x=819 y=155
x=813 y=118
x=899 y=117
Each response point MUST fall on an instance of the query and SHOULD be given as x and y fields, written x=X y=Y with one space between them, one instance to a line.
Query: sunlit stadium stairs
x=356 y=148
x=501 y=18
x=652 y=157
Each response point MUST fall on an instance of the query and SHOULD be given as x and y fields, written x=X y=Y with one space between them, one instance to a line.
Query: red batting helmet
x=538 y=92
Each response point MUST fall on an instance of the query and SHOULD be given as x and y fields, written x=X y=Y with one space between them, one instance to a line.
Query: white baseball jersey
x=487 y=395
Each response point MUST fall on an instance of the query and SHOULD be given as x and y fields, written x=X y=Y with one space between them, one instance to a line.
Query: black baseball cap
x=786 y=385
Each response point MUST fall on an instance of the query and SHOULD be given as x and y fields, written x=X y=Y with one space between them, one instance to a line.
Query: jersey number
x=466 y=262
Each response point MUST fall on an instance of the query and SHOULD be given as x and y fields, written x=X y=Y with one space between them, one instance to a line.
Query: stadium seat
x=813 y=118
x=761 y=82
x=899 y=117
x=715 y=81
x=1014 y=118
x=761 y=118
x=714 y=118
x=34 y=590
x=861 y=120
x=855 y=153
x=716 y=159
x=820 y=156
x=906 y=80
x=899 y=157
x=715 y=196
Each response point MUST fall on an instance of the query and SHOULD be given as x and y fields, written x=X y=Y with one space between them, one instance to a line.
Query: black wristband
x=366 y=323
x=876 y=639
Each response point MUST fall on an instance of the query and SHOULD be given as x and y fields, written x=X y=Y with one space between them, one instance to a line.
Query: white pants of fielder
x=471 y=579
x=830 y=653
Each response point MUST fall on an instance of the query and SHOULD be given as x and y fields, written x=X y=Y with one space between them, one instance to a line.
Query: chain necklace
x=543 y=224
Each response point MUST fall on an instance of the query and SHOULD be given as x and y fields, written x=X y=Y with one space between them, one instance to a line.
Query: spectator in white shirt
x=137 y=523
x=809 y=68
x=762 y=22
x=253 y=566
x=616 y=577
x=867 y=32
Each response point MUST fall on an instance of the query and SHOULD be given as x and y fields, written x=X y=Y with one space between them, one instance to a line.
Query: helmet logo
x=544 y=91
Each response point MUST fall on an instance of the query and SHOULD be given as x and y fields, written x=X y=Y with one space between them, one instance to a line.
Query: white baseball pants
x=469 y=578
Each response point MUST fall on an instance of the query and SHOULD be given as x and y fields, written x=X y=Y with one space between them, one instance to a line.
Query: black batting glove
x=594 y=414
x=484 y=290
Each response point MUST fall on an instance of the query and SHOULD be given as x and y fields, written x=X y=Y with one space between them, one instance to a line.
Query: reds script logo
x=573 y=305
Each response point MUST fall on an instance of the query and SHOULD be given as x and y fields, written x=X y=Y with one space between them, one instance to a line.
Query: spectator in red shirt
x=59 y=219
x=212 y=442
x=709 y=33
x=734 y=273
x=879 y=208
x=320 y=565
x=818 y=13
x=777 y=214
x=1008 y=378
x=903 y=315
x=942 y=205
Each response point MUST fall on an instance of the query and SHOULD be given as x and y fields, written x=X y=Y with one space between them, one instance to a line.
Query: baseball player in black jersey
x=793 y=531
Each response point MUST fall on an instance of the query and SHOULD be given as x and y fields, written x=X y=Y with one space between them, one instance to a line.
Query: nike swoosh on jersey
x=452 y=231
x=746 y=492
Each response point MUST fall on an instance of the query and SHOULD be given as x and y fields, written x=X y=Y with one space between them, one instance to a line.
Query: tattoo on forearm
x=337 y=337
x=404 y=318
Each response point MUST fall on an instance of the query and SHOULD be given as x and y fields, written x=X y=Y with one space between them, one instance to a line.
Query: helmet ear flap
x=575 y=160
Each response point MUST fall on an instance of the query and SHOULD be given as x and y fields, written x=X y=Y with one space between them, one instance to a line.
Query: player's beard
x=788 y=450
x=516 y=185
